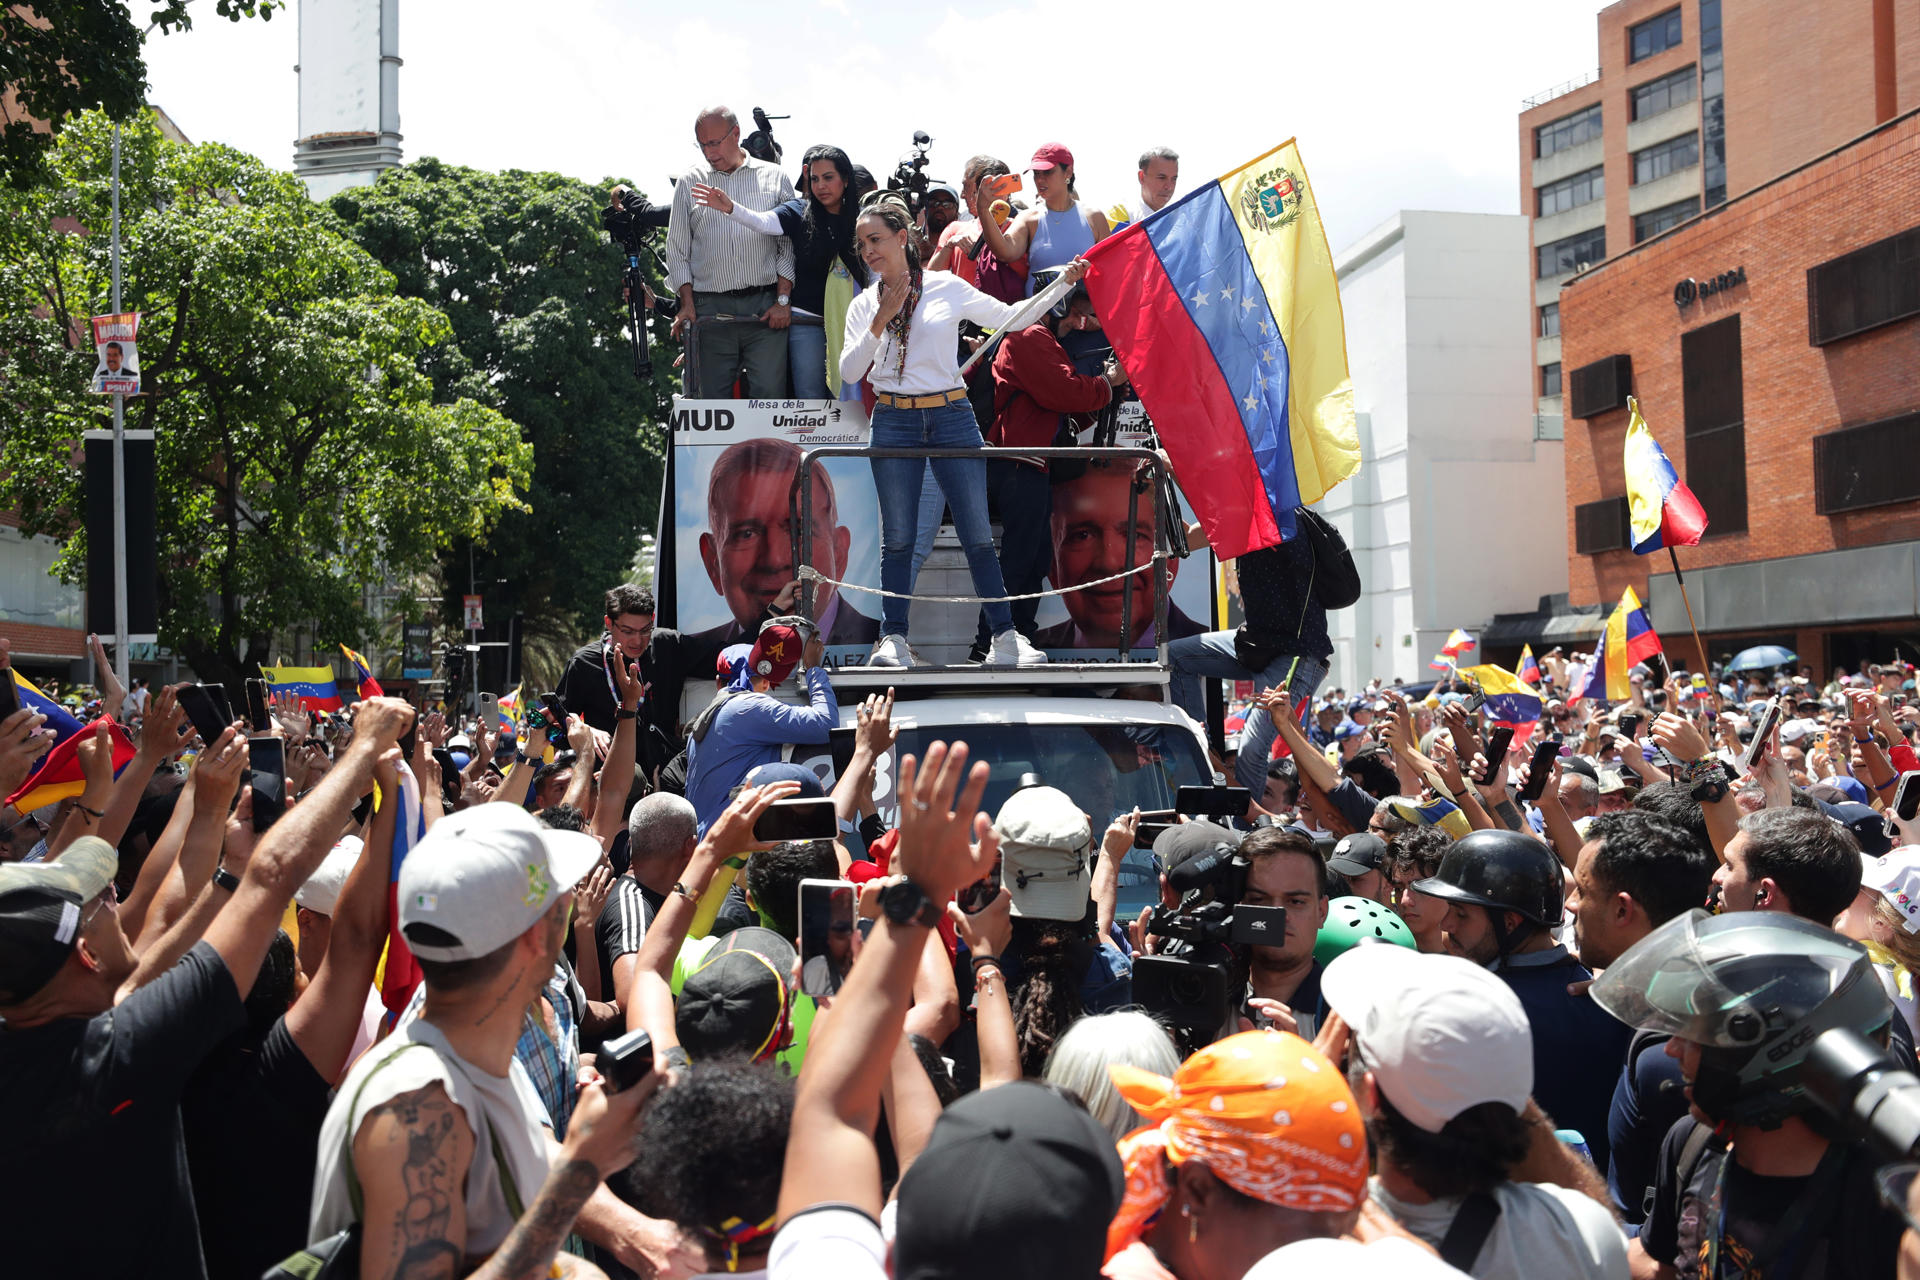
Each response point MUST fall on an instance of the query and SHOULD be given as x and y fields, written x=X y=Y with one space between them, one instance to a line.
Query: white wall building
x=349 y=73
x=1458 y=511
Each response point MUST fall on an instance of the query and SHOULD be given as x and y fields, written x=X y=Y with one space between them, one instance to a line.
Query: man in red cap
x=746 y=725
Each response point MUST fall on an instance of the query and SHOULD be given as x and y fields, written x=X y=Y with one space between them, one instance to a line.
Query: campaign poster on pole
x=734 y=466
x=116 y=369
x=470 y=609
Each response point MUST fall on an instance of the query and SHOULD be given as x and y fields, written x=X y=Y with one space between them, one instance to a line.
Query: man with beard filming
x=1214 y=964
x=1757 y=1181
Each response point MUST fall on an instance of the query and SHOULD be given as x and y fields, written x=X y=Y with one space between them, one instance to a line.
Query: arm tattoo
x=528 y=1250
x=425 y=1122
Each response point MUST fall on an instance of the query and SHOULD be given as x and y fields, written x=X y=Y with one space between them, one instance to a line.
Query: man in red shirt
x=1035 y=388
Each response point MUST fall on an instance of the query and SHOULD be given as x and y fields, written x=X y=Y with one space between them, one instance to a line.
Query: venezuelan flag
x=1509 y=701
x=1629 y=639
x=366 y=685
x=312 y=685
x=1442 y=661
x=58 y=775
x=1529 y=672
x=1225 y=310
x=1458 y=643
x=1663 y=511
x=400 y=972
x=1439 y=812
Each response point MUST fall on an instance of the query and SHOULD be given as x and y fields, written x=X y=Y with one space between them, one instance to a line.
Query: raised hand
x=937 y=837
x=988 y=930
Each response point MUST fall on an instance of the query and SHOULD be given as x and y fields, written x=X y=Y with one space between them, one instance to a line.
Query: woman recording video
x=827 y=272
x=905 y=329
x=1052 y=235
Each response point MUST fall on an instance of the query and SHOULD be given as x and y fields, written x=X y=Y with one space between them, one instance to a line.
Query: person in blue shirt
x=746 y=725
x=1502 y=891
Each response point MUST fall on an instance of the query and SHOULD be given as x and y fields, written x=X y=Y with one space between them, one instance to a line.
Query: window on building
x=1550 y=320
x=1663 y=158
x=1665 y=218
x=1562 y=256
x=1864 y=289
x=1656 y=35
x=1873 y=465
x=1605 y=525
x=1568 y=193
x=1550 y=379
x=1664 y=94
x=1713 y=106
x=1715 y=411
x=1600 y=387
x=1568 y=131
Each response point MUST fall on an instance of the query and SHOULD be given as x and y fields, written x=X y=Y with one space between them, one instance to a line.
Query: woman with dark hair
x=827 y=272
x=902 y=335
x=1053 y=233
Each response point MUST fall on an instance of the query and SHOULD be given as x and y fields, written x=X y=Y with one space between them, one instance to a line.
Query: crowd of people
x=1434 y=996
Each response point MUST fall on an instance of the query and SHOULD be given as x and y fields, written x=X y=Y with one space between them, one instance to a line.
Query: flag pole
x=1691 y=624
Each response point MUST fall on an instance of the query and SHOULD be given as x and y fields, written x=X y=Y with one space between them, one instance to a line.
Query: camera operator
x=719 y=267
x=1757 y=1180
x=1283 y=982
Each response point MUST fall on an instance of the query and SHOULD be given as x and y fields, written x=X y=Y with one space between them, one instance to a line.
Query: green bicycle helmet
x=1351 y=921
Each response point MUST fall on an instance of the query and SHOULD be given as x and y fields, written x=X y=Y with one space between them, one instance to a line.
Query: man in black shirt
x=661 y=834
x=587 y=684
x=88 y=1084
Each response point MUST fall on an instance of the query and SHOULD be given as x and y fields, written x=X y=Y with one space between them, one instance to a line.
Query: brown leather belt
x=934 y=401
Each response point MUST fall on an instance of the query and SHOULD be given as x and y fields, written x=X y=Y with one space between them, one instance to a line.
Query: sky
x=1397 y=105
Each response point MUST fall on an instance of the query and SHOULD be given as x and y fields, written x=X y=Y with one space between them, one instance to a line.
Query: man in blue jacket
x=747 y=726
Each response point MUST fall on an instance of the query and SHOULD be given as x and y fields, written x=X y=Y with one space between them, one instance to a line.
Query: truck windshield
x=1107 y=768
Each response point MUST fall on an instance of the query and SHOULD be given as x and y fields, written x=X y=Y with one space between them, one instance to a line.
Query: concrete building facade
x=1456 y=514
x=349 y=85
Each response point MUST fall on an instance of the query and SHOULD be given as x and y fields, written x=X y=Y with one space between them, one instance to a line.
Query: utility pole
x=122 y=662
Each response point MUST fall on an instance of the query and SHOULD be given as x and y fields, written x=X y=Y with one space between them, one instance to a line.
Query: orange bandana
x=1263 y=1110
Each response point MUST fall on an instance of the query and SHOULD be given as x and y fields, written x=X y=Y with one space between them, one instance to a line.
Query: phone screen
x=1763 y=731
x=267 y=762
x=1906 y=800
x=797 y=820
x=200 y=709
x=1540 y=769
x=1213 y=802
x=828 y=940
x=1497 y=743
x=257 y=706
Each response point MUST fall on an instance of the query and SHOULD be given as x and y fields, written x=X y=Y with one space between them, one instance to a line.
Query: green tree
x=59 y=58
x=532 y=286
x=302 y=452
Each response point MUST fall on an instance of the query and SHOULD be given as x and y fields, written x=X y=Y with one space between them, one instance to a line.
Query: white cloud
x=1396 y=105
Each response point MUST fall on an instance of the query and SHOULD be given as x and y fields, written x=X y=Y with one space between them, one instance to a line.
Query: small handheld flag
x=1629 y=639
x=1664 y=512
x=366 y=685
x=1529 y=672
x=1458 y=643
x=312 y=685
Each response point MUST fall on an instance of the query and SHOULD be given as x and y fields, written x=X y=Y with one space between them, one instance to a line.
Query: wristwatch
x=1709 y=780
x=782 y=300
x=225 y=879
x=622 y=713
x=907 y=903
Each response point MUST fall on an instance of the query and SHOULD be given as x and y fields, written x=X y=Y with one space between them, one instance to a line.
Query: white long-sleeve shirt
x=717 y=254
x=932 y=339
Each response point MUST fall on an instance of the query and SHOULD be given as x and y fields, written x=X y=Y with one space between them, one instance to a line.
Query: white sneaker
x=891 y=651
x=1011 y=649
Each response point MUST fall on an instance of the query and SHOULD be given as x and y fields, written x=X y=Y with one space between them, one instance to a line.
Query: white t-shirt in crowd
x=503 y=1107
x=1388 y=1259
x=829 y=1242
x=1541 y=1230
x=932 y=338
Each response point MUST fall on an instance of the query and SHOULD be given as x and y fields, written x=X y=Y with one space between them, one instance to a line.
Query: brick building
x=1773 y=343
x=1692 y=104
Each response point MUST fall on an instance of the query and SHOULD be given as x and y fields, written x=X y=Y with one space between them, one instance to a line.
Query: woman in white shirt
x=902 y=335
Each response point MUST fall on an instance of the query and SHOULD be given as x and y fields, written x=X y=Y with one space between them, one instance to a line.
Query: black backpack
x=1336 y=579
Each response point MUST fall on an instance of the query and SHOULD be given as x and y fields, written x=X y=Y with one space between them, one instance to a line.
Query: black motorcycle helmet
x=1501 y=871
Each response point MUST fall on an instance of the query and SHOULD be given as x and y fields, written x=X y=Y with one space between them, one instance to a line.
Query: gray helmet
x=1754 y=990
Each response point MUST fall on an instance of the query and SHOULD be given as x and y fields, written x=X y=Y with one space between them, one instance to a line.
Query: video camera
x=454 y=665
x=627 y=219
x=1193 y=985
x=910 y=175
x=1855 y=1082
x=760 y=144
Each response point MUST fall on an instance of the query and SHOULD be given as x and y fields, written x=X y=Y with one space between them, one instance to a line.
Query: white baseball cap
x=321 y=892
x=1046 y=844
x=482 y=877
x=1439 y=1033
x=1895 y=876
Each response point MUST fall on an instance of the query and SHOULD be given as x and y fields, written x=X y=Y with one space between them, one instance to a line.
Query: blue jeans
x=962 y=480
x=933 y=511
x=807 y=359
x=1212 y=655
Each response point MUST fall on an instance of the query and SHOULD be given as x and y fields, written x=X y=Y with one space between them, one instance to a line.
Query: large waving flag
x=313 y=685
x=1458 y=643
x=1225 y=310
x=364 y=682
x=1664 y=512
x=1529 y=672
x=1509 y=699
x=1628 y=639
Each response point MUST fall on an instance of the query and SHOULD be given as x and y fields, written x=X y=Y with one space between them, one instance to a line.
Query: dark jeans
x=1023 y=499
